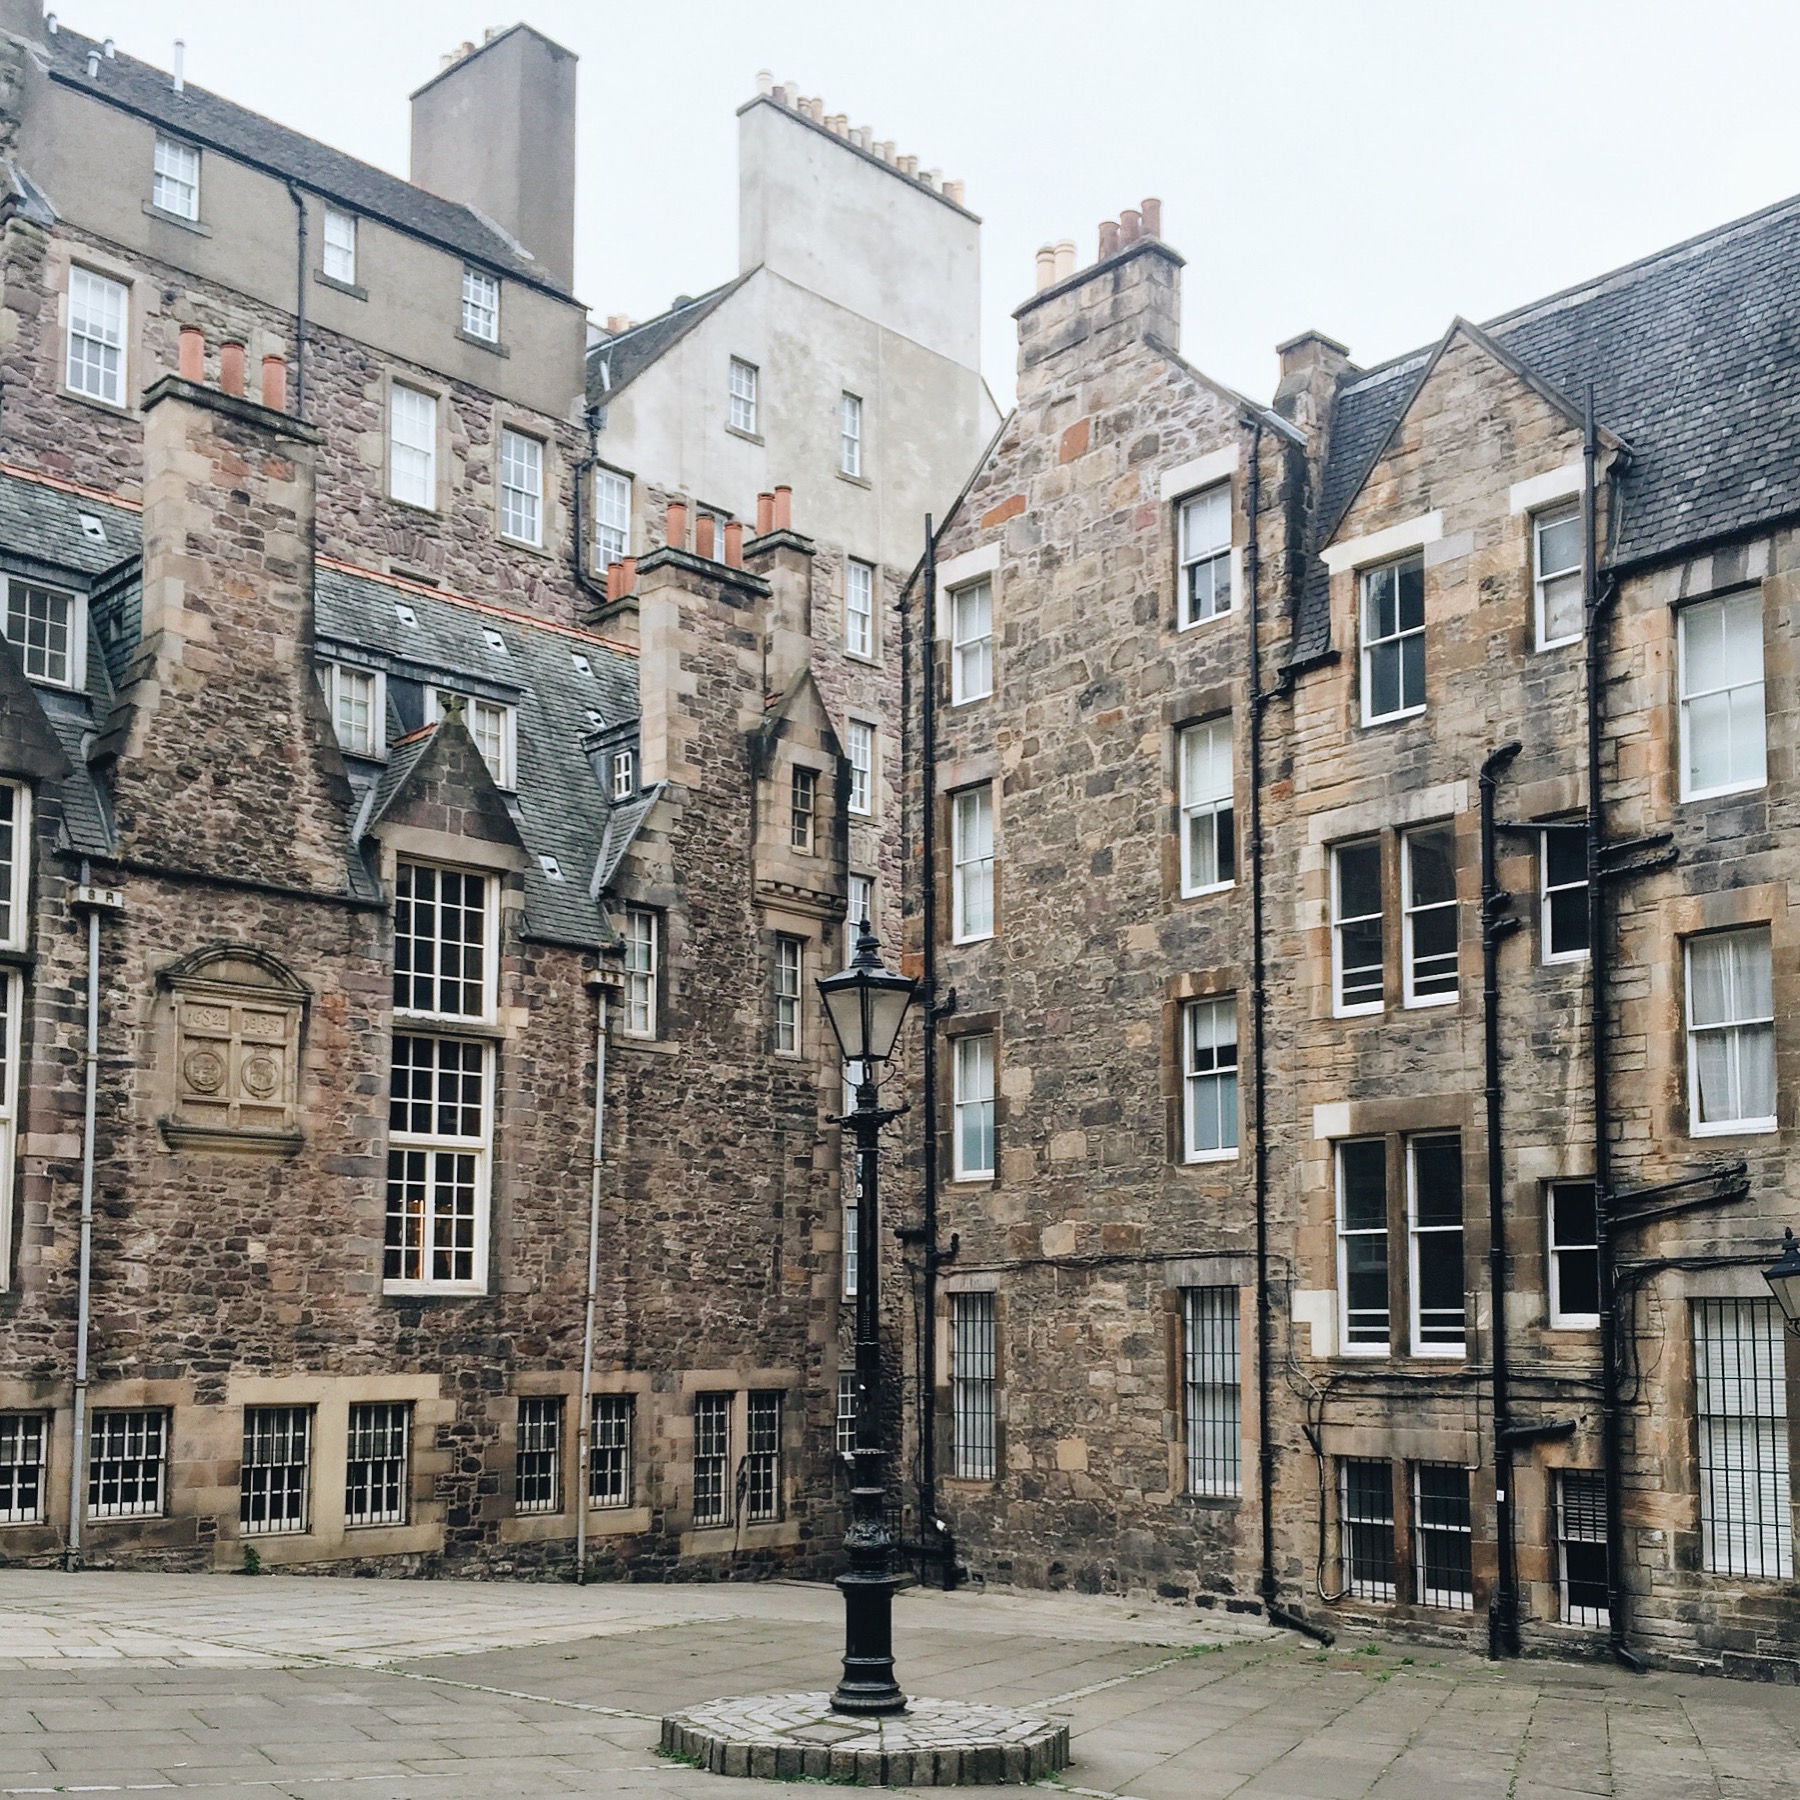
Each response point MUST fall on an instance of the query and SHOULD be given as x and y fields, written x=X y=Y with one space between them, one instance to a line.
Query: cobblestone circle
x=934 y=1743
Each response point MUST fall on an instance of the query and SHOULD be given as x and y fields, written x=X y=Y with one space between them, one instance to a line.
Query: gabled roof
x=1694 y=355
x=615 y=362
x=218 y=124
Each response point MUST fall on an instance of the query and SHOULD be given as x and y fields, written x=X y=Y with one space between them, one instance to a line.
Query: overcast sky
x=1368 y=169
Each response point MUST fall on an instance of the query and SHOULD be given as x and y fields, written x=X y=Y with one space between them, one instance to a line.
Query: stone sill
x=351 y=290
x=491 y=345
x=175 y=219
x=749 y=437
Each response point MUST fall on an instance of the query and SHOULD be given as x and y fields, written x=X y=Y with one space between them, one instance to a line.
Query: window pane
x=1740 y=1385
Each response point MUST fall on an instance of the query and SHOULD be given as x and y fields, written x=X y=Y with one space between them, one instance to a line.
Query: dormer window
x=175 y=181
x=481 y=306
x=624 y=774
x=492 y=725
x=357 y=699
x=47 y=627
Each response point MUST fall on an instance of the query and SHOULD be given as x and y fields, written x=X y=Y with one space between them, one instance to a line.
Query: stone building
x=416 y=1147
x=1258 y=1280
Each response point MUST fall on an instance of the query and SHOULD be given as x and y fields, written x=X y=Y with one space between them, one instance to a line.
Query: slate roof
x=630 y=353
x=215 y=123
x=1694 y=353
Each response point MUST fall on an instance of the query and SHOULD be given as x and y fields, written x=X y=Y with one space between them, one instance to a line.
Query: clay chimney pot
x=784 y=509
x=734 y=543
x=1109 y=238
x=1152 y=215
x=765 y=514
x=703 y=535
x=274 y=383
x=628 y=577
x=1131 y=226
x=675 y=526
x=231 y=368
x=190 y=355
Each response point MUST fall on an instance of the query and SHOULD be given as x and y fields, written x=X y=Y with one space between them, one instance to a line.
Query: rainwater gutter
x=585 y=1422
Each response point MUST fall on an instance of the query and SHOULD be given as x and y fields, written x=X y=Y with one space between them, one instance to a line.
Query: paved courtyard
x=320 y=1689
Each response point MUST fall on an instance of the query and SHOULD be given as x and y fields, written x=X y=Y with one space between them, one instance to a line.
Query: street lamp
x=1783 y=1278
x=866 y=1004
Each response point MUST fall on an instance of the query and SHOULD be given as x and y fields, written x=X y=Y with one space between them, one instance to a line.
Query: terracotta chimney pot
x=784 y=509
x=1152 y=215
x=231 y=368
x=628 y=577
x=703 y=535
x=1109 y=238
x=675 y=526
x=190 y=356
x=274 y=383
x=1131 y=226
x=734 y=543
x=765 y=514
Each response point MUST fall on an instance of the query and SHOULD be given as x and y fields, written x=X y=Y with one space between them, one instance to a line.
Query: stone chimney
x=495 y=130
x=784 y=559
x=1131 y=293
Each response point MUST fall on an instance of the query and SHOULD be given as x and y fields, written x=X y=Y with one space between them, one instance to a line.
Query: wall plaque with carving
x=235 y=1016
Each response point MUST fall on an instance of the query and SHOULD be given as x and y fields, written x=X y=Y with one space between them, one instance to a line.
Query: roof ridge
x=63 y=485
x=667 y=313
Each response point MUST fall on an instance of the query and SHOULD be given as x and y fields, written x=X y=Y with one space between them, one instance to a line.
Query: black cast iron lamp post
x=1784 y=1280
x=866 y=1004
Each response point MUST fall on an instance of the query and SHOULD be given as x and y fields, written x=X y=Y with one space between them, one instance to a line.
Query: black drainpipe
x=299 y=200
x=1496 y=923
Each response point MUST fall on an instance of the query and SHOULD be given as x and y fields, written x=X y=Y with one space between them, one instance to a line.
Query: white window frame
x=1204 y=803
x=1450 y=1599
x=1212 y=1393
x=1416 y=1233
x=972 y=641
x=612 y=517
x=140 y=1434
x=436 y=1146
x=859 y=609
x=1348 y=1346
x=1542 y=579
x=334 y=678
x=1211 y=508
x=1727 y=608
x=99 y=318
x=74 y=628
x=480 y=304
x=611 y=1477
x=175 y=177
x=538 y=1455
x=742 y=385
x=1371 y=642
x=1569 y=1532
x=1340 y=1008
x=859 y=905
x=1205 y=1070
x=844 y=1420
x=493 y=720
x=973 y=864
x=1555 y=1248
x=1734 y=1030
x=412 y=446
x=337 y=246
x=850 y=413
x=25 y=1468
x=267 y=1483
x=521 y=483
x=405 y=871
x=1546 y=888
x=372 y=1425
x=973 y=1082
x=643 y=958
x=974 y=1386
x=15 y=869
x=787 y=983
x=859 y=748
x=1411 y=909
x=803 y=810
x=622 y=768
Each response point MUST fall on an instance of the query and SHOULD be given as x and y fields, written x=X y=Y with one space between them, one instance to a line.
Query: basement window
x=1443 y=1536
x=537 y=1478
x=128 y=1461
x=1366 y=1528
x=276 y=1474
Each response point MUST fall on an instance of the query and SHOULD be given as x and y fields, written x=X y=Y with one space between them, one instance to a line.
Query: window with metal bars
x=1366 y=1528
x=712 y=1459
x=845 y=1437
x=1434 y=1203
x=376 y=1458
x=1740 y=1391
x=1362 y=1225
x=762 y=1456
x=1581 y=1547
x=276 y=1477
x=1356 y=935
x=972 y=1359
x=1443 y=1532
x=23 y=1465
x=128 y=1458
x=610 y=1473
x=1212 y=1388
x=1428 y=877
x=537 y=1473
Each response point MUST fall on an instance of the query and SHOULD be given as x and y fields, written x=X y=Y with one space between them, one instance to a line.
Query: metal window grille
x=1356 y=925
x=437 y=1160
x=175 y=179
x=376 y=1458
x=1443 y=1535
x=1723 y=731
x=128 y=1456
x=1393 y=626
x=762 y=1457
x=845 y=1435
x=972 y=853
x=640 y=973
x=1366 y=1528
x=440 y=941
x=1740 y=1383
x=40 y=622
x=1581 y=1547
x=859 y=609
x=612 y=517
x=712 y=1459
x=340 y=246
x=972 y=1357
x=743 y=395
x=97 y=314
x=972 y=1106
x=1574 y=1254
x=850 y=435
x=412 y=446
x=862 y=766
x=1208 y=828
x=1731 y=1030
x=481 y=305
x=1210 y=1077
x=1562 y=878
x=803 y=805
x=521 y=487
x=1212 y=1384
x=537 y=1472
x=1431 y=913
x=972 y=641
x=1435 y=1223
x=1363 y=1245
x=1206 y=555
x=610 y=1474
x=273 y=1487
x=23 y=1440
x=1556 y=566
x=789 y=958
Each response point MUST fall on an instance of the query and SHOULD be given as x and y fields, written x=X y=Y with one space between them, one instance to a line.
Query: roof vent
x=405 y=613
x=582 y=665
x=494 y=640
x=92 y=529
x=551 y=867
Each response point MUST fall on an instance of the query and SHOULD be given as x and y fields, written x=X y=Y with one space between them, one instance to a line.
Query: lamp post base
x=868 y=1687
